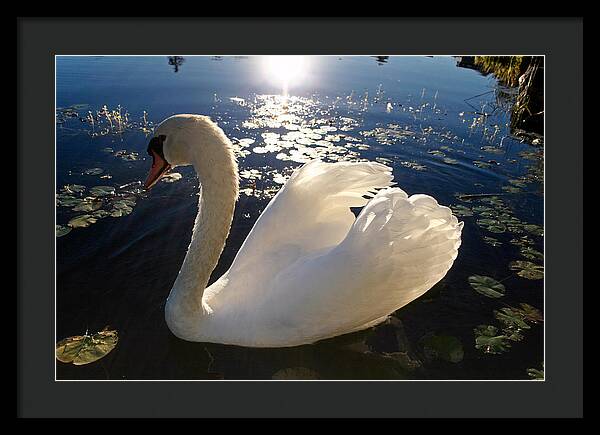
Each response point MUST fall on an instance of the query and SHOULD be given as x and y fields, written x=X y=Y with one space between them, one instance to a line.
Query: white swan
x=308 y=270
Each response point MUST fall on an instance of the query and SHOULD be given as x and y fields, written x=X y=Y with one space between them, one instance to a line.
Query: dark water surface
x=423 y=116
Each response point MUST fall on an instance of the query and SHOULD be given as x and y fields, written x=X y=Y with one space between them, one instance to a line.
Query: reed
x=507 y=69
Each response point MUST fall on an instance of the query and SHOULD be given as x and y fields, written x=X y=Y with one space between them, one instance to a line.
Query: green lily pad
x=102 y=191
x=530 y=313
x=295 y=373
x=491 y=225
x=436 y=153
x=488 y=341
x=88 y=204
x=461 y=211
x=517 y=182
x=121 y=207
x=511 y=318
x=487 y=286
x=482 y=165
x=64 y=200
x=62 y=230
x=513 y=335
x=532 y=254
x=85 y=349
x=85 y=220
x=450 y=161
x=511 y=189
x=73 y=188
x=536 y=230
x=535 y=374
x=93 y=171
x=99 y=214
x=527 y=269
x=444 y=347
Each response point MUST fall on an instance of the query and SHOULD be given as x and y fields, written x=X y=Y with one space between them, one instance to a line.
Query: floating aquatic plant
x=487 y=286
x=88 y=204
x=530 y=313
x=444 y=347
x=461 y=211
x=531 y=254
x=93 y=171
x=82 y=221
x=536 y=374
x=295 y=373
x=492 y=225
x=512 y=319
x=527 y=269
x=62 y=230
x=489 y=341
x=73 y=188
x=85 y=349
x=100 y=191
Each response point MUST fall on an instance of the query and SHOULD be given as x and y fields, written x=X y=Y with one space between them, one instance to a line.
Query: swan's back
x=309 y=270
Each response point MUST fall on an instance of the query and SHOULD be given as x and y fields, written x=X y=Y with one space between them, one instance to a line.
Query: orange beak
x=159 y=168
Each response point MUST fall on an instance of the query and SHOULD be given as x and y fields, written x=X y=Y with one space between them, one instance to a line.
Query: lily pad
x=444 y=347
x=122 y=207
x=488 y=341
x=535 y=374
x=492 y=225
x=531 y=254
x=99 y=214
x=527 y=269
x=450 y=161
x=536 y=230
x=295 y=373
x=93 y=171
x=511 y=318
x=482 y=165
x=530 y=313
x=64 y=200
x=102 y=191
x=511 y=189
x=85 y=349
x=85 y=220
x=88 y=204
x=61 y=230
x=73 y=188
x=487 y=286
x=461 y=211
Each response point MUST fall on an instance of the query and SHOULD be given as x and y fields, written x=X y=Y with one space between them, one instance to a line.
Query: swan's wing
x=397 y=249
x=310 y=213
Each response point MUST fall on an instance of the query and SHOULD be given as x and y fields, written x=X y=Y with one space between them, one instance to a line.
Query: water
x=420 y=115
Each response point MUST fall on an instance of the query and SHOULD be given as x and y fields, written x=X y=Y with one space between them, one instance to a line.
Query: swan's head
x=190 y=140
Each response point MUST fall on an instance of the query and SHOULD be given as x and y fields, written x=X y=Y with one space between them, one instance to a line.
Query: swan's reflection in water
x=363 y=355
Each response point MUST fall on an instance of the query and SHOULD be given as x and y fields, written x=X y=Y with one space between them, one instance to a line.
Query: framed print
x=329 y=218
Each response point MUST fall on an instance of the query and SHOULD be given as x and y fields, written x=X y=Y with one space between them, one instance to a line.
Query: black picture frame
x=560 y=40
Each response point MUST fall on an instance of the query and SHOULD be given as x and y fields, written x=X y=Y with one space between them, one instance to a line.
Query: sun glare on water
x=286 y=71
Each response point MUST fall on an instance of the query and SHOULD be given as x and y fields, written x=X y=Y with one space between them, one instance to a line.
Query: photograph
x=298 y=217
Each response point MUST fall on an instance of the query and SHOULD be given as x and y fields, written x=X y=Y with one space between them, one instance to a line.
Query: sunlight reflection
x=286 y=71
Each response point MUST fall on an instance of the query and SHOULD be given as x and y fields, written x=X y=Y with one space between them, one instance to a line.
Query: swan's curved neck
x=216 y=167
